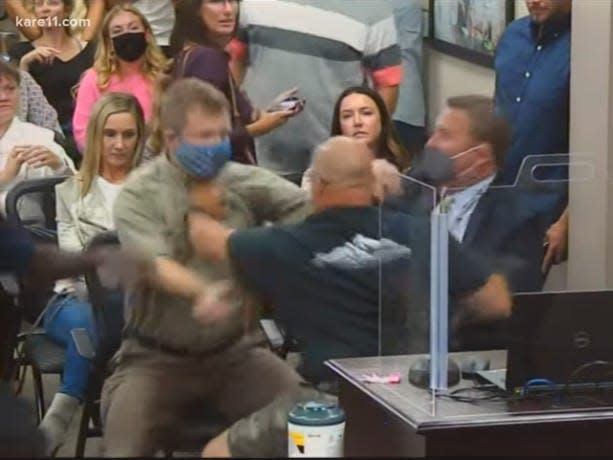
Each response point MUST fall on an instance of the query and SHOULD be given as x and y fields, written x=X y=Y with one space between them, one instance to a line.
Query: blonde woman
x=115 y=137
x=127 y=60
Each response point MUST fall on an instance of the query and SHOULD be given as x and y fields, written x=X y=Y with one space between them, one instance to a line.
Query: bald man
x=322 y=276
x=348 y=281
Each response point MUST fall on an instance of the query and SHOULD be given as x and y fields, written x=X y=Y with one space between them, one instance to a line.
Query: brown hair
x=389 y=146
x=485 y=125
x=189 y=28
x=9 y=70
x=185 y=95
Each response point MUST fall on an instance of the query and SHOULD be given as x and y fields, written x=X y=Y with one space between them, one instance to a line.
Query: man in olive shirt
x=169 y=363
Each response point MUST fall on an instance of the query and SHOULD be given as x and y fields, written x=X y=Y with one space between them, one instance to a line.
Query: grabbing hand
x=556 y=242
x=208 y=236
x=208 y=196
x=387 y=179
x=119 y=268
x=215 y=303
x=41 y=54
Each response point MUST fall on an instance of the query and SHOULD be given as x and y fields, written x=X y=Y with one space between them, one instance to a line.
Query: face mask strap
x=464 y=152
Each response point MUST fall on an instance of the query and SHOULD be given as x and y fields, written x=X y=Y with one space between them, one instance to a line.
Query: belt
x=154 y=344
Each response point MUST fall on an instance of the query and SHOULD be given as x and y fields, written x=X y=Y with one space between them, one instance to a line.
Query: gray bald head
x=343 y=162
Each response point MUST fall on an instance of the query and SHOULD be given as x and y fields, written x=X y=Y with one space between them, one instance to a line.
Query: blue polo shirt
x=349 y=282
x=532 y=92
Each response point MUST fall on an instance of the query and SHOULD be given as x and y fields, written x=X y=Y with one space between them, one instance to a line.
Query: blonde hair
x=72 y=10
x=155 y=143
x=109 y=104
x=105 y=62
x=79 y=12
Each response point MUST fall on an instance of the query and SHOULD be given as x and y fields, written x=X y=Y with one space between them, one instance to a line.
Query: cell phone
x=275 y=337
x=289 y=103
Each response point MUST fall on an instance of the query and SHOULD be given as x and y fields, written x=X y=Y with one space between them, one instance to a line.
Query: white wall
x=447 y=76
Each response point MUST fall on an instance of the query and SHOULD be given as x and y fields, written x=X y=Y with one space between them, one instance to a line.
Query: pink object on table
x=392 y=378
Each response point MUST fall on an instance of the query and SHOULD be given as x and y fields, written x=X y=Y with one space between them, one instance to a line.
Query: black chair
x=40 y=352
x=107 y=305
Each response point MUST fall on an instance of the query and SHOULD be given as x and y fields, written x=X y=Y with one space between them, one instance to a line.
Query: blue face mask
x=204 y=161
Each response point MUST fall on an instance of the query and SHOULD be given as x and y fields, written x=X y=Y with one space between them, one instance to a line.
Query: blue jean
x=62 y=316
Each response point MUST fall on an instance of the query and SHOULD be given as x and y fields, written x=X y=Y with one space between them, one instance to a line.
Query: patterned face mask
x=204 y=161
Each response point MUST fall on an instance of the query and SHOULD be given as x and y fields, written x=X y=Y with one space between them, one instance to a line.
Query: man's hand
x=208 y=197
x=387 y=179
x=556 y=241
x=215 y=303
x=208 y=236
x=120 y=268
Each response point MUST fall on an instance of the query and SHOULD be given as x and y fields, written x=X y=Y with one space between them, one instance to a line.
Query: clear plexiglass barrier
x=474 y=317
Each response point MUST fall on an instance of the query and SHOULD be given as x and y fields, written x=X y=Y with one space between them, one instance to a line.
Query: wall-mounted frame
x=469 y=29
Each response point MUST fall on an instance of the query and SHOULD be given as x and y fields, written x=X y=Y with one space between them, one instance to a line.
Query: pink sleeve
x=87 y=95
x=238 y=50
x=388 y=76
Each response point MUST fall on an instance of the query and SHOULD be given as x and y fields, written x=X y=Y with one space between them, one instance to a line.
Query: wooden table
x=404 y=420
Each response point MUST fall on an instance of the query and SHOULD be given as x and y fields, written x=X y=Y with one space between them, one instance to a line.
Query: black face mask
x=130 y=46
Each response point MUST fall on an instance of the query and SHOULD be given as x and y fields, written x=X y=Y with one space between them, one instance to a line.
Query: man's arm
x=16 y=9
x=173 y=278
x=139 y=230
x=95 y=15
x=382 y=57
x=483 y=294
x=389 y=94
x=556 y=242
x=269 y=197
x=50 y=263
x=491 y=301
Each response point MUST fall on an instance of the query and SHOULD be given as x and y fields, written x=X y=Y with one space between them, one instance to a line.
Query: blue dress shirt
x=532 y=91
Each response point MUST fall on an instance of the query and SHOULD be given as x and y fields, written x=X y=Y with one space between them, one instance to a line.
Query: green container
x=315 y=429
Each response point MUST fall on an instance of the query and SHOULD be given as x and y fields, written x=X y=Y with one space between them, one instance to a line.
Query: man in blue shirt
x=349 y=280
x=532 y=91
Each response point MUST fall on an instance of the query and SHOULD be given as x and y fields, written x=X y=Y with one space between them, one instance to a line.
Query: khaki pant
x=148 y=395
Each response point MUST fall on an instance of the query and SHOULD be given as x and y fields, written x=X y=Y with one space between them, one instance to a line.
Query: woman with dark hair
x=360 y=112
x=202 y=31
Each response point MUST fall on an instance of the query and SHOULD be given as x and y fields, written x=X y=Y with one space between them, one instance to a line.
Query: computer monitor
x=560 y=339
